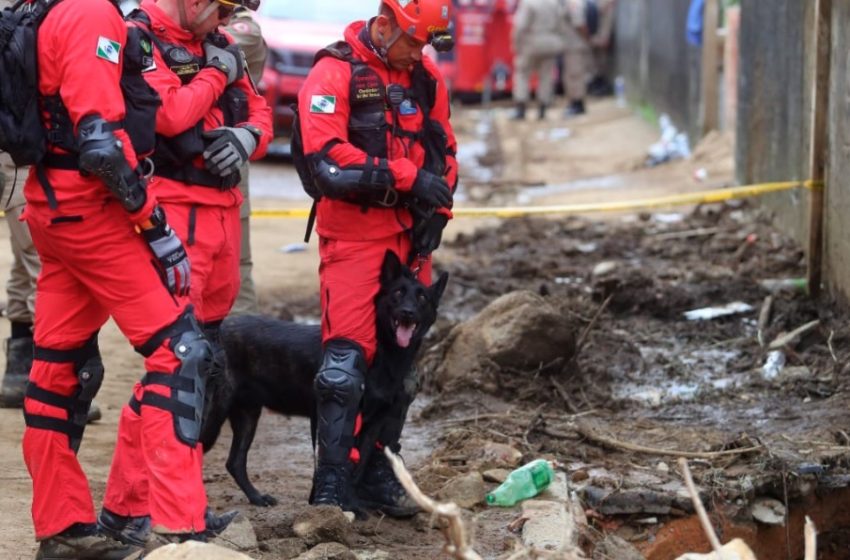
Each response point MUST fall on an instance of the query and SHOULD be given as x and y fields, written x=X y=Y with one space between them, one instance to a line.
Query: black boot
x=380 y=490
x=18 y=364
x=83 y=541
x=575 y=108
x=519 y=112
x=128 y=530
x=216 y=524
x=332 y=487
x=541 y=112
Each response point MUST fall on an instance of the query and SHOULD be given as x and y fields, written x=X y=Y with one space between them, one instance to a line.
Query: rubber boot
x=575 y=108
x=332 y=486
x=216 y=524
x=18 y=364
x=519 y=112
x=83 y=541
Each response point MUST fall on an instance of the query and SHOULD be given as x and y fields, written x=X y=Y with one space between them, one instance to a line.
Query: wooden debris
x=811 y=539
x=457 y=543
x=764 y=319
x=615 y=444
x=792 y=337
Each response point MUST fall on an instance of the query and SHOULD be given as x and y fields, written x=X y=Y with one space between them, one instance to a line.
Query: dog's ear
x=391 y=268
x=438 y=287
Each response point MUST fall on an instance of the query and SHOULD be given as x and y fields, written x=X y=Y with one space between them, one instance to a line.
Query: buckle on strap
x=182 y=324
x=390 y=198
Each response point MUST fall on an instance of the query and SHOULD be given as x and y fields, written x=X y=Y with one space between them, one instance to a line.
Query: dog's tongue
x=403 y=334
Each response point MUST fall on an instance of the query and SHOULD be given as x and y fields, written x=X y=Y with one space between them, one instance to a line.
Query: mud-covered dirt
x=640 y=375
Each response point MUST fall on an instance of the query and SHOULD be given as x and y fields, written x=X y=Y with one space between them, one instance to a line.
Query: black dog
x=271 y=363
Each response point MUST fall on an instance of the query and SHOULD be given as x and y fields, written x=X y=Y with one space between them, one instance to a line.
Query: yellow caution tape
x=701 y=197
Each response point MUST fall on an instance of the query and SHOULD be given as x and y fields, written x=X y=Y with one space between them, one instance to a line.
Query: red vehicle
x=481 y=63
x=294 y=31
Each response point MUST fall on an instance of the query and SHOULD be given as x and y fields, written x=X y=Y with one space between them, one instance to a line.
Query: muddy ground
x=642 y=373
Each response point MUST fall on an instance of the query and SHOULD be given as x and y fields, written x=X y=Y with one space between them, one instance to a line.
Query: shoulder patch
x=108 y=49
x=323 y=104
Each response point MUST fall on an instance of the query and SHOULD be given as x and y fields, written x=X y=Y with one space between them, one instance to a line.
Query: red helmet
x=421 y=19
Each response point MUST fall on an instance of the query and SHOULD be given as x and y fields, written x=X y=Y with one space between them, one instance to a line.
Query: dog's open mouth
x=403 y=332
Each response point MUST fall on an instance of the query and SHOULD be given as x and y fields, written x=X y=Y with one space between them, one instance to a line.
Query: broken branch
x=703 y=516
x=615 y=444
x=457 y=544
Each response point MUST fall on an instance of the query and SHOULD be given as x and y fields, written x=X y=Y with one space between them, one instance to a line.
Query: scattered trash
x=620 y=91
x=671 y=146
x=588 y=247
x=779 y=284
x=523 y=483
x=668 y=217
x=560 y=133
x=700 y=174
x=706 y=313
x=768 y=510
x=293 y=248
x=773 y=364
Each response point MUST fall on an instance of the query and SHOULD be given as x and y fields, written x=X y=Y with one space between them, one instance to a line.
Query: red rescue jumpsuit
x=211 y=236
x=94 y=265
x=352 y=243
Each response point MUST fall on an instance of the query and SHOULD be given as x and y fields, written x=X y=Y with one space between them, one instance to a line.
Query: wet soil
x=643 y=374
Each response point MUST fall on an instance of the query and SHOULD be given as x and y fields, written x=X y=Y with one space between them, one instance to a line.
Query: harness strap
x=193 y=218
x=73 y=355
x=170 y=404
x=180 y=325
x=197 y=177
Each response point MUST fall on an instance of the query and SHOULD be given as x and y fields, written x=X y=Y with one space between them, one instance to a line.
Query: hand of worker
x=432 y=190
x=229 y=149
x=428 y=234
x=227 y=60
x=172 y=262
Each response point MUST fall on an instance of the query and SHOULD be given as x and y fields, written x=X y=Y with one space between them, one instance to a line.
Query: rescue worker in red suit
x=374 y=121
x=106 y=250
x=211 y=120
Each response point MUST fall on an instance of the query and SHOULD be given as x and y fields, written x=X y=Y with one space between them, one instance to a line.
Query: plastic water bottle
x=524 y=482
x=620 y=91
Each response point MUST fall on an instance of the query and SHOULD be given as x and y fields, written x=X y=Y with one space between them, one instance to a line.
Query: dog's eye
x=421 y=297
x=399 y=293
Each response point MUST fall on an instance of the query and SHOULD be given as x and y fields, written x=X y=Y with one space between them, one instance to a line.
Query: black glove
x=428 y=234
x=230 y=148
x=171 y=258
x=227 y=60
x=432 y=190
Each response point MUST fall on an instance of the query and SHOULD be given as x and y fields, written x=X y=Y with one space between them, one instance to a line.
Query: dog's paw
x=264 y=500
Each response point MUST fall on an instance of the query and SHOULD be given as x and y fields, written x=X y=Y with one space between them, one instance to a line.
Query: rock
x=238 y=535
x=328 y=551
x=191 y=550
x=465 y=490
x=549 y=525
x=605 y=268
x=768 y=510
x=519 y=331
x=558 y=490
x=662 y=467
x=735 y=549
x=372 y=555
x=613 y=546
x=322 y=524
x=634 y=500
x=496 y=475
x=500 y=455
x=284 y=548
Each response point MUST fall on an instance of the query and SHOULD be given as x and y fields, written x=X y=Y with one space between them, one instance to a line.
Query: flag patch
x=323 y=104
x=108 y=49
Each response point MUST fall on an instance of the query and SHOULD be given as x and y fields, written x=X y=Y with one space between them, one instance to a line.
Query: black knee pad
x=187 y=383
x=339 y=388
x=88 y=367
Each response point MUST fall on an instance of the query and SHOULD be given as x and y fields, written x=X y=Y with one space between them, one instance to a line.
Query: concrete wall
x=837 y=204
x=775 y=103
x=659 y=66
